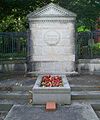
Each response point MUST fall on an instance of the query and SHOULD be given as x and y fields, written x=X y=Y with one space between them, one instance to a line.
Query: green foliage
x=96 y=48
x=82 y=29
x=10 y=23
x=13 y=12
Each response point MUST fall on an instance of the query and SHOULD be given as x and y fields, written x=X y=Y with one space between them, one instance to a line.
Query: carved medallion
x=52 y=38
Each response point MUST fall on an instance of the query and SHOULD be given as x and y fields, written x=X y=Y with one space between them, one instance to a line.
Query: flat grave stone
x=70 y=112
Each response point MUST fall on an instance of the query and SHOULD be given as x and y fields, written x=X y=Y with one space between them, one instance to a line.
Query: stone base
x=36 y=73
x=52 y=67
x=90 y=66
x=72 y=112
x=60 y=95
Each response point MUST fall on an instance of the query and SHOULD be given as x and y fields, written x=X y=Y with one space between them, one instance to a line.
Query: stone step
x=36 y=73
x=96 y=106
x=3 y=114
x=98 y=114
x=77 y=111
x=17 y=83
x=2 y=118
x=15 y=88
x=87 y=101
x=85 y=88
x=6 y=104
x=85 y=95
x=5 y=107
x=28 y=88
x=15 y=95
x=95 y=103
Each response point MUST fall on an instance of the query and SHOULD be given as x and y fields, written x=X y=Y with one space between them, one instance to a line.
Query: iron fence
x=88 y=45
x=13 y=45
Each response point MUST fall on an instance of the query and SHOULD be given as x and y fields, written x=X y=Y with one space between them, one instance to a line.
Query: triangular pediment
x=51 y=10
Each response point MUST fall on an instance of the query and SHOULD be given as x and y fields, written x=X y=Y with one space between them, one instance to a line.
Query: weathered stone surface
x=91 y=66
x=13 y=66
x=52 y=39
x=73 y=112
x=60 y=95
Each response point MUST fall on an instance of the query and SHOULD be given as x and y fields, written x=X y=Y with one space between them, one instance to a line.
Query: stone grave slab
x=72 y=112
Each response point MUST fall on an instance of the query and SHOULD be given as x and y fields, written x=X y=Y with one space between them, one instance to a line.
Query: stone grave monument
x=51 y=47
x=51 y=50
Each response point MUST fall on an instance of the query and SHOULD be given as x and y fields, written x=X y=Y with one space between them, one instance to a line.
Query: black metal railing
x=13 y=45
x=88 y=45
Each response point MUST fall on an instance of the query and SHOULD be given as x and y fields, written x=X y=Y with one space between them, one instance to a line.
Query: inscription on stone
x=52 y=38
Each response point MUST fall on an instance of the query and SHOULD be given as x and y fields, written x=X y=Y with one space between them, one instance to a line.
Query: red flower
x=51 y=81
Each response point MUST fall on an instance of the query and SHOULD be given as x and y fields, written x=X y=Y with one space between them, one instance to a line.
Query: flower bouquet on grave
x=51 y=81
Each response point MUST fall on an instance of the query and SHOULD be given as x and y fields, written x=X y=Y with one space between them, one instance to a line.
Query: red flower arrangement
x=51 y=81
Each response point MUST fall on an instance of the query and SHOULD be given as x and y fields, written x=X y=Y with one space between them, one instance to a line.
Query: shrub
x=95 y=49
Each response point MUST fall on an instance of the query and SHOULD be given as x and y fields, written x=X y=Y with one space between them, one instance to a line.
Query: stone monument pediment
x=51 y=10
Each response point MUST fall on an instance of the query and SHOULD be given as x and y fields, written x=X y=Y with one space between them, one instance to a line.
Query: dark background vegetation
x=13 y=13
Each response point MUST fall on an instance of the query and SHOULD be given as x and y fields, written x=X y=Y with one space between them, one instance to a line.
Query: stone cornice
x=51 y=10
x=53 y=19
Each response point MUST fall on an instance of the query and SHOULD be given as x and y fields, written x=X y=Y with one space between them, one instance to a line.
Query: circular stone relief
x=52 y=37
